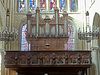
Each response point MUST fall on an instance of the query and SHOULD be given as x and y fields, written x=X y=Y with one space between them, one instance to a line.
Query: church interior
x=49 y=37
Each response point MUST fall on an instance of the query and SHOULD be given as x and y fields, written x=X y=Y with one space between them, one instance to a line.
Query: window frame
x=67 y=7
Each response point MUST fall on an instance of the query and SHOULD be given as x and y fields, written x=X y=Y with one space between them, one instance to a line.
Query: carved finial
x=37 y=9
x=56 y=8
x=65 y=13
x=29 y=14
x=87 y=13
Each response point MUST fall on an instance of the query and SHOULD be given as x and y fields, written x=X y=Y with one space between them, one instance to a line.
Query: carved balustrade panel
x=32 y=58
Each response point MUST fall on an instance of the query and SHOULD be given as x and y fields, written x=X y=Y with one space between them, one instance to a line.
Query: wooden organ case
x=47 y=34
x=47 y=38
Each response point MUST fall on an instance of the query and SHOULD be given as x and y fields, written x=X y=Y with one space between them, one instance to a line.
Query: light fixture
x=88 y=33
x=6 y=34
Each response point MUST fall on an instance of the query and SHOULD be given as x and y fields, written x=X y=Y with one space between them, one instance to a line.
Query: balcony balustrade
x=15 y=59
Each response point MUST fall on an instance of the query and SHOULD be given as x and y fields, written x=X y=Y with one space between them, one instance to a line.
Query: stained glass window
x=32 y=5
x=21 y=6
x=62 y=5
x=70 y=42
x=24 y=43
x=73 y=5
x=52 y=5
x=42 y=5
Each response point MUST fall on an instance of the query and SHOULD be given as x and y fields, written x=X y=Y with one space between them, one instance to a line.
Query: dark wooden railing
x=14 y=59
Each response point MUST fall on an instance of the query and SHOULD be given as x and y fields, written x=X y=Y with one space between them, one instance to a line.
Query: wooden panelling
x=47 y=58
x=48 y=43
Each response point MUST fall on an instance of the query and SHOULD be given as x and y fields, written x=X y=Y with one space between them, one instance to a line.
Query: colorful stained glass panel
x=24 y=43
x=42 y=5
x=52 y=5
x=21 y=6
x=32 y=5
x=62 y=5
x=73 y=5
x=70 y=42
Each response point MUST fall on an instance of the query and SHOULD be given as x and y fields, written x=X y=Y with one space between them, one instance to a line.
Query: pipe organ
x=47 y=38
x=47 y=33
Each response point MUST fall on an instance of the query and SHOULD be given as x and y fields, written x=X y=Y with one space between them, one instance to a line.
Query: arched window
x=71 y=40
x=24 y=43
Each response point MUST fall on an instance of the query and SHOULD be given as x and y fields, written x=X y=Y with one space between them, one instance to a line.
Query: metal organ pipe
x=47 y=28
x=29 y=15
x=37 y=20
x=57 y=20
x=65 y=23
x=29 y=22
x=47 y=19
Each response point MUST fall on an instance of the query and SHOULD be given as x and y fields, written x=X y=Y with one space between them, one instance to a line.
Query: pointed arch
x=70 y=45
x=96 y=24
x=24 y=46
x=96 y=19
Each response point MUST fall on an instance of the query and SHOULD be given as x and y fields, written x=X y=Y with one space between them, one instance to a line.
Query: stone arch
x=96 y=19
x=96 y=23
x=71 y=23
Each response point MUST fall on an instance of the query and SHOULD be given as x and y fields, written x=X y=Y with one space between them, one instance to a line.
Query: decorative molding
x=36 y=58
